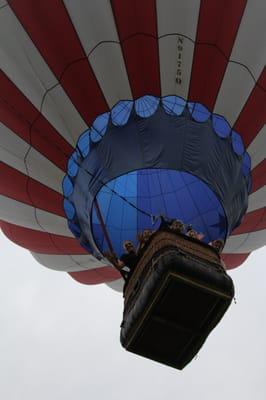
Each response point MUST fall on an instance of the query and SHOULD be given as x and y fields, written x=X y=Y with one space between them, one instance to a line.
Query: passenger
x=194 y=234
x=123 y=269
x=144 y=238
x=177 y=226
x=218 y=245
x=165 y=223
x=129 y=258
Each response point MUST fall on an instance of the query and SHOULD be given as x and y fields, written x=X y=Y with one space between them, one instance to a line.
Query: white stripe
x=116 y=285
x=13 y=151
x=53 y=223
x=249 y=47
x=257 y=148
x=43 y=170
x=22 y=63
x=109 y=68
x=93 y=21
x=94 y=24
x=60 y=112
x=246 y=242
x=178 y=18
x=27 y=216
x=236 y=87
x=257 y=199
x=68 y=263
x=250 y=50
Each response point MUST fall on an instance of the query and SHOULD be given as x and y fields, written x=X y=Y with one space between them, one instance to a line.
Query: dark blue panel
x=74 y=228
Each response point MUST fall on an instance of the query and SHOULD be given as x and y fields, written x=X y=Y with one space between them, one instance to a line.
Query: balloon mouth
x=133 y=202
x=172 y=137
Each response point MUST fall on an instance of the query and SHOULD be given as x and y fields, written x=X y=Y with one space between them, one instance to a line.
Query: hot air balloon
x=114 y=112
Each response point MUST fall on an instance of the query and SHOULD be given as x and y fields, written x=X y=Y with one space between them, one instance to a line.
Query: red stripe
x=19 y=115
x=20 y=187
x=234 y=260
x=259 y=176
x=51 y=29
x=252 y=221
x=217 y=28
x=253 y=115
x=96 y=276
x=41 y=242
x=136 y=23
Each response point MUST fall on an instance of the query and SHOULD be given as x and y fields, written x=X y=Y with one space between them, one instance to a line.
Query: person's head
x=218 y=244
x=177 y=226
x=146 y=234
x=193 y=234
x=128 y=246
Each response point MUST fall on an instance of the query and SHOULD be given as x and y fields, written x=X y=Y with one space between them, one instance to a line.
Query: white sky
x=60 y=340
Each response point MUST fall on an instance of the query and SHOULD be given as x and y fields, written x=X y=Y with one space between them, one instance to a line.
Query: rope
x=105 y=233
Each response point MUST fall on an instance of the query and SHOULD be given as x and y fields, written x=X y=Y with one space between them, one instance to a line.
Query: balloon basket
x=177 y=294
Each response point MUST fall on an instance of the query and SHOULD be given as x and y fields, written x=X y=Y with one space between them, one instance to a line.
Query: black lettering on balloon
x=178 y=78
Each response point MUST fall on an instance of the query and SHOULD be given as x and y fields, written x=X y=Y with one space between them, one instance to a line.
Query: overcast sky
x=60 y=340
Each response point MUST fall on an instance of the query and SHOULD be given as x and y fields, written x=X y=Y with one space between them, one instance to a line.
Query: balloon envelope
x=113 y=113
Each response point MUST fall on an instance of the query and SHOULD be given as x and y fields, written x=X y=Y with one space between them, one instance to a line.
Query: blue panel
x=246 y=164
x=67 y=186
x=146 y=106
x=156 y=192
x=173 y=105
x=83 y=144
x=121 y=185
x=69 y=209
x=99 y=127
x=188 y=178
x=104 y=199
x=121 y=112
x=237 y=144
x=221 y=126
x=119 y=215
x=198 y=112
x=72 y=165
x=203 y=201
x=187 y=203
x=168 y=181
